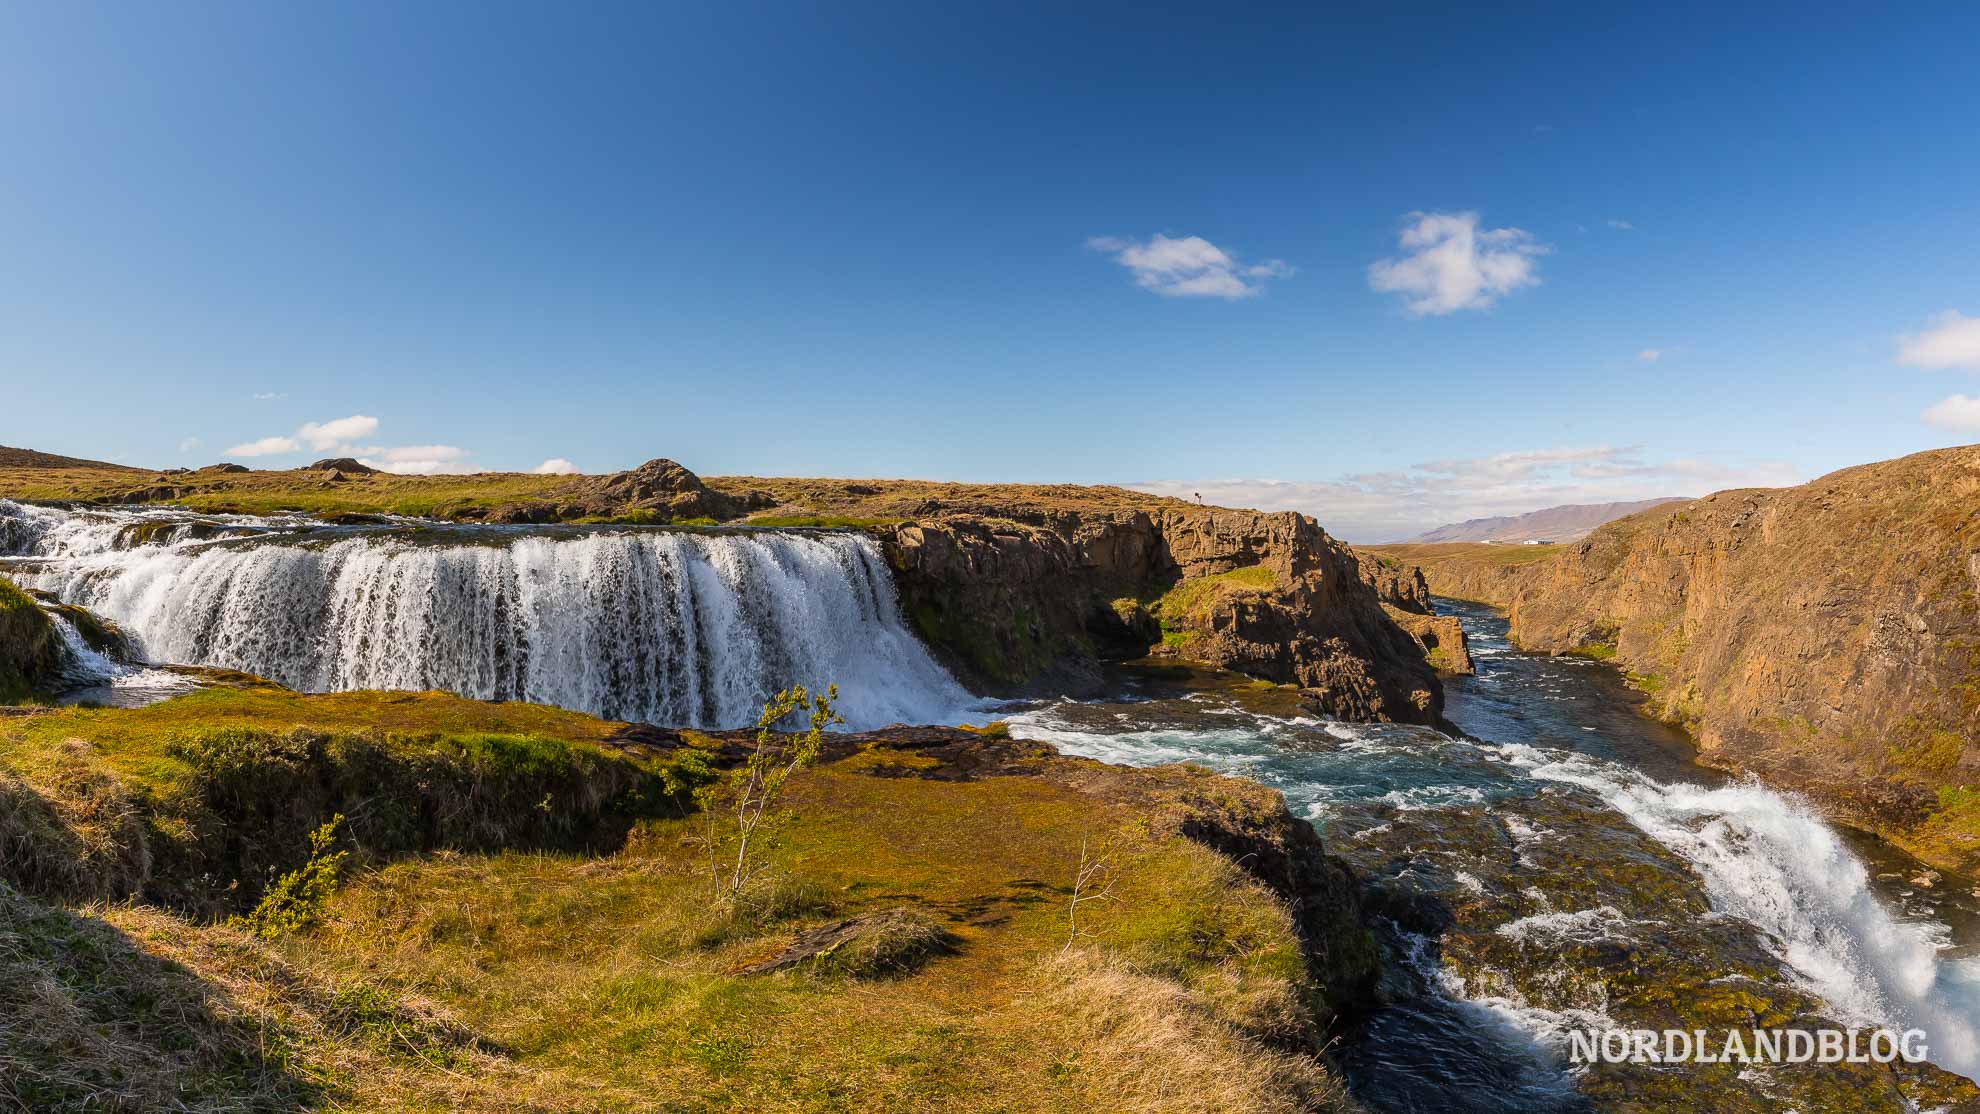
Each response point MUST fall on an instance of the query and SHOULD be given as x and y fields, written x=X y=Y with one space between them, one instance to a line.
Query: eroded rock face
x=1826 y=636
x=1397 y=583
x=1016 y=605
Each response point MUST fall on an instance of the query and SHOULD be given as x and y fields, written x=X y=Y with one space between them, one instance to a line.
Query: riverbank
x=1564 y=866
x=524 y=921
x=1823 y=637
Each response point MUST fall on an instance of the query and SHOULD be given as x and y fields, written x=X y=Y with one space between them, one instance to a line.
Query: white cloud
x=1650 y=355
x=269 y=396
x=1189 y=267
x=556 y=466
x=1622 y=225
x=338 y=431
x=338 y=437
x=417 y=460
x=267 y=446
x=1960 y=412
x=1383 y=506
x=188 y=444
x=1952 y=341
x=1450 y=264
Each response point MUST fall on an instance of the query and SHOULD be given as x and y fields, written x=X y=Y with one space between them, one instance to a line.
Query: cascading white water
x=1765 y=857
x=1771 y=861
x=667 y=627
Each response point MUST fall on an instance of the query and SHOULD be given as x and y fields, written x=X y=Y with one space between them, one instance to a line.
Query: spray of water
x=668 y=627
x=1768 y=859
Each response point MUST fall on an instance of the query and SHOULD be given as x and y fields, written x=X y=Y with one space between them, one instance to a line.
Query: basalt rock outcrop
x=659 y=491
x=1825 y=637
x=1030 y=605
x=1405 y=595
x=344 y=464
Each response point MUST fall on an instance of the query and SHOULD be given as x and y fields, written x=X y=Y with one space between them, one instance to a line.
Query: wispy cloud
x=188 y=444
x=270 y=396
x=1189 y=267
x=1952 y=341
x=417 y=460
x=1650 y=355
x=1449 y=263
x=338 y=431
x=1960 y=413
x=1383 y=506
x=316 y=435
x=266 y=446
x=1621 y=225
x=341 y=437
x=556 y=466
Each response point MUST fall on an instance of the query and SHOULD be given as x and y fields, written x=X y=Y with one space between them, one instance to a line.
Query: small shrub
x=742 y=810
x=296 y=899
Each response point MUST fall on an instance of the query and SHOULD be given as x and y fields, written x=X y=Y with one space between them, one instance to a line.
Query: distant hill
x=29 y=458
x=1555 y=524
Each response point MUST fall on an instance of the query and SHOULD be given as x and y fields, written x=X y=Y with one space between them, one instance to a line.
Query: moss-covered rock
x=30 y=652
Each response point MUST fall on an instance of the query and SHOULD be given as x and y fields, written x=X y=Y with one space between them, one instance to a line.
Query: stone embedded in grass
x=871 y=945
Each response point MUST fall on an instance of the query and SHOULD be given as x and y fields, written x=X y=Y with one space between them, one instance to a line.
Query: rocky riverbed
x=1567 y=867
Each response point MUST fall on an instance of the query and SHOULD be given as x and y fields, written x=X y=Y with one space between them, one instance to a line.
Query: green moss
x=1007 y=650
x=28 y=653
x=1190 y=602
x=224 y=806
x=1958 y=797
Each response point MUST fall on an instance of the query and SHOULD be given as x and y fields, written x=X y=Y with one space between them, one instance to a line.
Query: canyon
x=1824 y=637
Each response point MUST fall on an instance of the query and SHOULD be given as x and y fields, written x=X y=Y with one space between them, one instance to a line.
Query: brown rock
x=1825 y=637
x=344 y=464
x=661 y=488
x=1016 y=606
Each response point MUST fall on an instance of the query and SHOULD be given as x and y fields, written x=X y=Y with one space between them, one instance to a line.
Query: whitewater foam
x=674 y=627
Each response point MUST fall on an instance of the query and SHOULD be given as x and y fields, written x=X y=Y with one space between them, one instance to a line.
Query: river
x=1559 y=865
x=1566 y=865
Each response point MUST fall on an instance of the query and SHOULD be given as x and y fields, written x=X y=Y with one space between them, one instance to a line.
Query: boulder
x=344 y=464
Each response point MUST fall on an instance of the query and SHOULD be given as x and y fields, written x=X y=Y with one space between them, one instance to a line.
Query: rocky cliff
x=1405 y=596
x=1032 y=601
x=1825 y=637
x=1476 y=571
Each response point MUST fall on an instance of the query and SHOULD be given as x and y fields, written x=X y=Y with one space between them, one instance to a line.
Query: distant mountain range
x=1554 y=524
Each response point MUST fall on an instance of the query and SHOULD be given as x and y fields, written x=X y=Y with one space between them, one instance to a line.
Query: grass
x=803 y=502
x=1190 y=602
x=214 y=795
x=1428 y=555
x=273 y=492
x=27 y=645
x=498 y=969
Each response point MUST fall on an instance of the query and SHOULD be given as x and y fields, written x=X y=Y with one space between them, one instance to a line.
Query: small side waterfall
x=671 y=627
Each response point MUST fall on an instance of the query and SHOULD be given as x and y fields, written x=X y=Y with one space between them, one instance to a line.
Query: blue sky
x=1002 y=242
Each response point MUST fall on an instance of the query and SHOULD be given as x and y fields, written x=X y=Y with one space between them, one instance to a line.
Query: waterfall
x=1768 y=859
x=672 y=627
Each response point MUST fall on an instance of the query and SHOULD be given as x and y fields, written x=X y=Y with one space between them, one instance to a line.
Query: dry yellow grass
x=587 y=981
